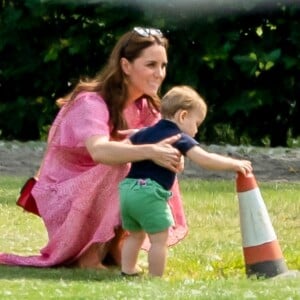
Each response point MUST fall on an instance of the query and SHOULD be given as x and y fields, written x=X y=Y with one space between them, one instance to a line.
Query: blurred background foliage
x=242 y=57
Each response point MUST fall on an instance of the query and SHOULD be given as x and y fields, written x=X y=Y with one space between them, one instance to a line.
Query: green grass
x=207 y=264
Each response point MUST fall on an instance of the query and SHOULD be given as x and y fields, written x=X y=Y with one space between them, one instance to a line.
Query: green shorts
x=144 y=206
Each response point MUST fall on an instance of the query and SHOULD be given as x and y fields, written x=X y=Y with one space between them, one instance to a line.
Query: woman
x=77 y=191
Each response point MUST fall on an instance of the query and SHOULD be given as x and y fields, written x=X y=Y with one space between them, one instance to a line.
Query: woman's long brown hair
x=110 y=82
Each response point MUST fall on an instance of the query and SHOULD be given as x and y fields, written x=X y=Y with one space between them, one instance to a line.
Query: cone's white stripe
x=256 y=226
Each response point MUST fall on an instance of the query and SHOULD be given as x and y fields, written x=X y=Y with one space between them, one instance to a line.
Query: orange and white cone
x=262 y=253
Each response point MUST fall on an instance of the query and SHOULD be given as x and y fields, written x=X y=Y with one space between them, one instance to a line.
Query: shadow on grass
x=61 y=273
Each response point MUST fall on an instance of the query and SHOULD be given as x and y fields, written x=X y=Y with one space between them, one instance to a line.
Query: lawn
x=207 y=264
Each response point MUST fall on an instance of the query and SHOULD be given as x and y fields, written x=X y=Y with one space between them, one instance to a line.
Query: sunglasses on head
x=146 y=32
x=143 y=32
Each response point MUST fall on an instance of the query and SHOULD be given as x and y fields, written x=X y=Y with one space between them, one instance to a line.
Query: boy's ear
x=182 y=114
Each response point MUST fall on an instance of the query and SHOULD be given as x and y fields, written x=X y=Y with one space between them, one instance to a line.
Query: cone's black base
x=267 y=268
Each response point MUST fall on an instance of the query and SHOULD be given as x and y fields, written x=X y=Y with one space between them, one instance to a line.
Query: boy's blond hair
x=181 y=97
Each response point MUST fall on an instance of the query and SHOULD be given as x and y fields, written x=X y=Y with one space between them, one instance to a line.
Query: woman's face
x=146 y=73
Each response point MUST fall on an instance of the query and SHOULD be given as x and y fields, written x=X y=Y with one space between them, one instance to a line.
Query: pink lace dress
x=78 y=199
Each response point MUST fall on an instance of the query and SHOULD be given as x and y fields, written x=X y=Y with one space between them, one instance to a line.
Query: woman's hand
x=181 y=165
x=166 y=155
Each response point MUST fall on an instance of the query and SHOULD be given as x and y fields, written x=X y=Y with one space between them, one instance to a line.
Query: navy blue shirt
x=150 y=135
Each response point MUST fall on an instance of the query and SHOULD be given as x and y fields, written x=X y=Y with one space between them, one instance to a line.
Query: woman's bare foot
x=115 y=245
x=90 y=259
x=98 y=266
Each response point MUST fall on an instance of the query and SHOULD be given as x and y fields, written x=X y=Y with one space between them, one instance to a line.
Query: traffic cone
x=262 y=253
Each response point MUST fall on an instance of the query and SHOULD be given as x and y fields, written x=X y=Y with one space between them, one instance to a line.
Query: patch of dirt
x=269 y=164
x=20 y=159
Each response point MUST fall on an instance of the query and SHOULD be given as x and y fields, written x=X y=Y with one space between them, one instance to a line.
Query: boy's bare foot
x=136 y=272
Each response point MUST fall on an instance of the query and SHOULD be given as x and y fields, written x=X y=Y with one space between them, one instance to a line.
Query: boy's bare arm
x=213 y=161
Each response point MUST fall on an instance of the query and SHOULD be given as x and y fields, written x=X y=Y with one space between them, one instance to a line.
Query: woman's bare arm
x=104 y=151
